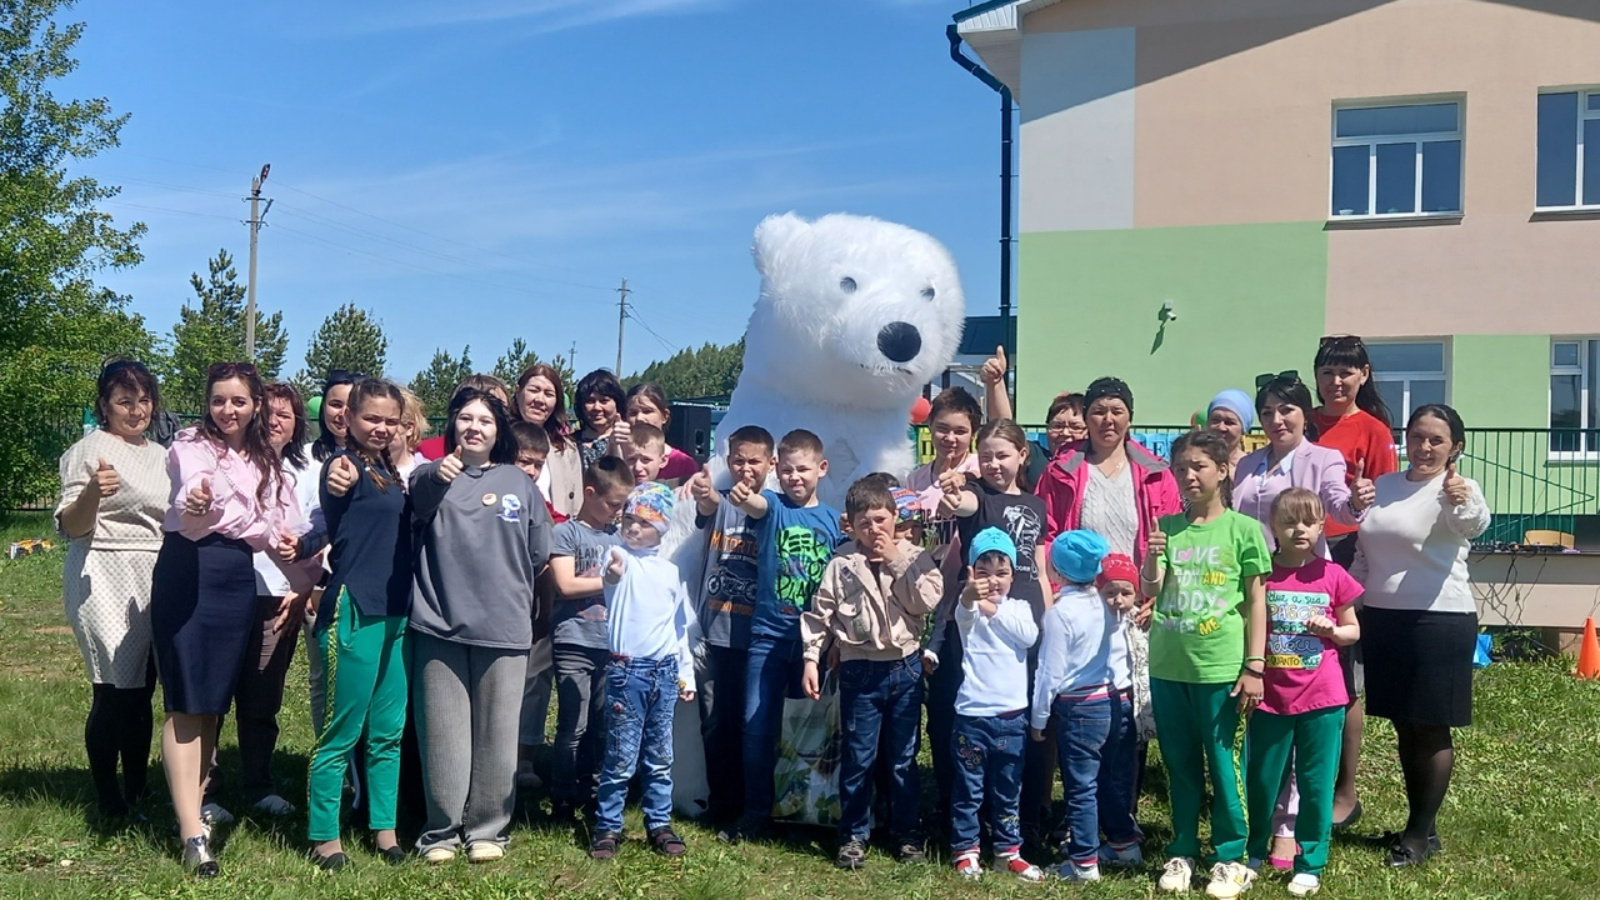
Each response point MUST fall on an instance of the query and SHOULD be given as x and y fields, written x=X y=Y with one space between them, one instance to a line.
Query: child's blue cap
x=991 y=540
x=1077 y=555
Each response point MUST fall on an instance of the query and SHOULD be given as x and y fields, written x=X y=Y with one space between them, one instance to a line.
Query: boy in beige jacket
x=870 y=610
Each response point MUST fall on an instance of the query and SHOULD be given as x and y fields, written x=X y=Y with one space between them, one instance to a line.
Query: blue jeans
x=988 y=766
x=1119 y=774
x=880 y=710
x=641 y=697
x=772 y=675
x=1083 y=727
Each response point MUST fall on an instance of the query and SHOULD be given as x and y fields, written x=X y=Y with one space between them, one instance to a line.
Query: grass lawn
x=1522 y=820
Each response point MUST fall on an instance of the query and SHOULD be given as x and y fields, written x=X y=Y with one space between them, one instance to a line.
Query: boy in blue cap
x=1076 y=679
x=997 y=630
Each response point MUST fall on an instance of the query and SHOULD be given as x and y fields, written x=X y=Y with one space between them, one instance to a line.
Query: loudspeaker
x=690 y=430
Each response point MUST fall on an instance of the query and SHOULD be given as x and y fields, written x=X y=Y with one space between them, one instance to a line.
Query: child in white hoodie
x=997 y=630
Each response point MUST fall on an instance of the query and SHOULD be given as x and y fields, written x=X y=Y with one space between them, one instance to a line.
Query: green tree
x=350 y=339
x=516 y=360
x=438 y=381
x=214 y=331
x=56 y=324
x=711 y=371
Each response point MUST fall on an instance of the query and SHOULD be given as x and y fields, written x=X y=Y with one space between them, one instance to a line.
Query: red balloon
x=920 y=410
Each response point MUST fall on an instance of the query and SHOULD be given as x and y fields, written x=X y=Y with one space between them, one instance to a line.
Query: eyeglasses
x=121 y=365
x=230 y=369
x=1339 y=340
x=1267 y=378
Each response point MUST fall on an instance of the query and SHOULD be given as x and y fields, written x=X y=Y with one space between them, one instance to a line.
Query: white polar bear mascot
x=855 y=315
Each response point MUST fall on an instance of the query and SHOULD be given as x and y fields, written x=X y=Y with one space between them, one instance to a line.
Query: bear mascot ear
x=774 y=235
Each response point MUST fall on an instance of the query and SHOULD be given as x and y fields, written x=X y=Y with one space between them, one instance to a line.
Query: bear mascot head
x=855 y=315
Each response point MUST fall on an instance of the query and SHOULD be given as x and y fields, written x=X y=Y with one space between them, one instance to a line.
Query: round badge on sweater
x=490 y=499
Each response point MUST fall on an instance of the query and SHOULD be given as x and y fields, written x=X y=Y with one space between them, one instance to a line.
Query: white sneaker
x=273 y=805
x=1071 y=871
x=485 y=851
x=1177 y=876
x=437 y=856
x=1304 y=885
x=1013 y=864
x=967 y=867
x=214 y=815
x=1229 y=880
x=1130 y=858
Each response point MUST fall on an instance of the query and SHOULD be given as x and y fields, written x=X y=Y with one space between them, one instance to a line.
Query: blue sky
x=476 y=170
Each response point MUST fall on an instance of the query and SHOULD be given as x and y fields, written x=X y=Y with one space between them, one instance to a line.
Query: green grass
x=1522 y=820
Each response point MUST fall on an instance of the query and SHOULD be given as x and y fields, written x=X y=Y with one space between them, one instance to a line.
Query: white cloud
x=532 y=16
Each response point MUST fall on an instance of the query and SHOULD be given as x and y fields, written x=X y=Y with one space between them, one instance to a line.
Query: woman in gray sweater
x=483 y=535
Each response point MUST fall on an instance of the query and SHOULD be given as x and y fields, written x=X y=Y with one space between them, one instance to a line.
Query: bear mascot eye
x=927 y=293
x=847 y=284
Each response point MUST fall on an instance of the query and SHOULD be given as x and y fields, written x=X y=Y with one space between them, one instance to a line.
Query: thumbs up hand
x=1362 y=491
x=621 y=435
x=198 y=503
x=1455 y=487
x=104 y=479
x=705 y=496
x=740 y=493
x=342 y=476
x=615 y=567
x=450 y=467
x=994 y=368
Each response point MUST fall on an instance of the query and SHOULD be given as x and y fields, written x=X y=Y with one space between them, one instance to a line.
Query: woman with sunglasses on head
x=229 y=498
x=1419 y=619
x=114 y=489
x=1353 y=420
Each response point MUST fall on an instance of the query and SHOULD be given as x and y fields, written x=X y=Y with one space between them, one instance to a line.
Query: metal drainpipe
x=952 y=32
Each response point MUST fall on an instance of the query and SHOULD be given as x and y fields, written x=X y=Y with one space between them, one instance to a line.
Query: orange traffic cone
x=1589 y=652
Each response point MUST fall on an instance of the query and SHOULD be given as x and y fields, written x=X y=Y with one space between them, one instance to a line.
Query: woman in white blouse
x=114 y=488
x=1419 y=621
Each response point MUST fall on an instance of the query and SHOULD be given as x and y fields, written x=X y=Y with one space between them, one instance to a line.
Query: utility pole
x=622 y=316
x=572 y=358
x=256 y=215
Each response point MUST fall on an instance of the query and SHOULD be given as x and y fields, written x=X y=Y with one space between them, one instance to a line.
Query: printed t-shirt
x=1198 y=630
x=1021 y=517
x=1303 y=672
x=795 y=544
x=728 y=594
x=581 y=621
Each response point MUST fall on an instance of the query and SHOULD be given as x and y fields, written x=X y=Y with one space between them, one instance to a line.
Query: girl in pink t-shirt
x=1311 y=613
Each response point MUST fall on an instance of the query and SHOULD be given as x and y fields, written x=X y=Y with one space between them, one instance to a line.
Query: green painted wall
x=1249 y=300
x=1501 y=381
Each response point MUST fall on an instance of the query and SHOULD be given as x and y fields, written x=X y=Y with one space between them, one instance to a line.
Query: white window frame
x=1405 y=378
x=1582 y=371
x=1585 y=114
x=1372 y=143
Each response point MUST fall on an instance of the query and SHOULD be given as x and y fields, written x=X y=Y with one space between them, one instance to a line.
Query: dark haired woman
x=114 y=489
x=228 y=499
x=1419 y=619
x=599 y=405
x=483 y=536
x=1353 y=420
x=541 y=400
x=259 y=694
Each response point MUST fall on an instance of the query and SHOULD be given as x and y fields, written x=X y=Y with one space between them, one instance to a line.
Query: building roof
x=994 y=31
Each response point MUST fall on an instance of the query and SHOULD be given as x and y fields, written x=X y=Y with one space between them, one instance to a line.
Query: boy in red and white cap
x=1118 y=583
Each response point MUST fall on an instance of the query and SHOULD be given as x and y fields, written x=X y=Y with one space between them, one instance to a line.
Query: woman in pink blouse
x=229 y=499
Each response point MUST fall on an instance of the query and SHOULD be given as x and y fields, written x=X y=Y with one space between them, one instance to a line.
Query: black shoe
x=747 y=828
x=394 y=856
x=910 y=851
x=1403 y=857
x=1354 y=817
x=333 y=862
x=852 y=855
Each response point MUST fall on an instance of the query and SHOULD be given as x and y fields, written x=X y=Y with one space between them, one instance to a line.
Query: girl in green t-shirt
x=1208 y=637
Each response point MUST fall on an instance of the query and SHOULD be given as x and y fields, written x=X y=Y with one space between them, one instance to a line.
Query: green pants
x=364 y=679
x=1314 y=739
x=1197 y=726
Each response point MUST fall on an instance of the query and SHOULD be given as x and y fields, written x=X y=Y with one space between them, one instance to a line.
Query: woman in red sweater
x=1353 y=420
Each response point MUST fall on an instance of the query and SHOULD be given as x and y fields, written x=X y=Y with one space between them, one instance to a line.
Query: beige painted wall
x=1234 y=112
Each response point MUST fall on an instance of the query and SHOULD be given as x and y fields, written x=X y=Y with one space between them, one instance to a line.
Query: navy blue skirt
x=202 y=608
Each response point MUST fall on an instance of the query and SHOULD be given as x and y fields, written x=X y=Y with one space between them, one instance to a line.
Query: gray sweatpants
x=467 y=701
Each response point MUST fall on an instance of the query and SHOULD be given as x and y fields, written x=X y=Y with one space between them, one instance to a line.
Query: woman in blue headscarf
x=1232 y=414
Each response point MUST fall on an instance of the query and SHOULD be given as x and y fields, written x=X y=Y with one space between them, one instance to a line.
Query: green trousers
x=1313 y=741
x=1197 y=726
x=364 y=679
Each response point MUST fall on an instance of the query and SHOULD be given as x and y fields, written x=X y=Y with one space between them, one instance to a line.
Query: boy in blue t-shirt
x=796 y=534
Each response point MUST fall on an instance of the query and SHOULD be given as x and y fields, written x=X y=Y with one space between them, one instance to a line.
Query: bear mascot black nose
x=900 y=341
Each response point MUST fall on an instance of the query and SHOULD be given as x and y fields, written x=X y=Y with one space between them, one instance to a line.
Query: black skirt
x=202 y=609
x=1419 y=665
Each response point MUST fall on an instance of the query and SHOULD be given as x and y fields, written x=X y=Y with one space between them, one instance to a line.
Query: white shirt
x=994 y=658
x=648 y=612
x=1412 y=553
x=1080 y=653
